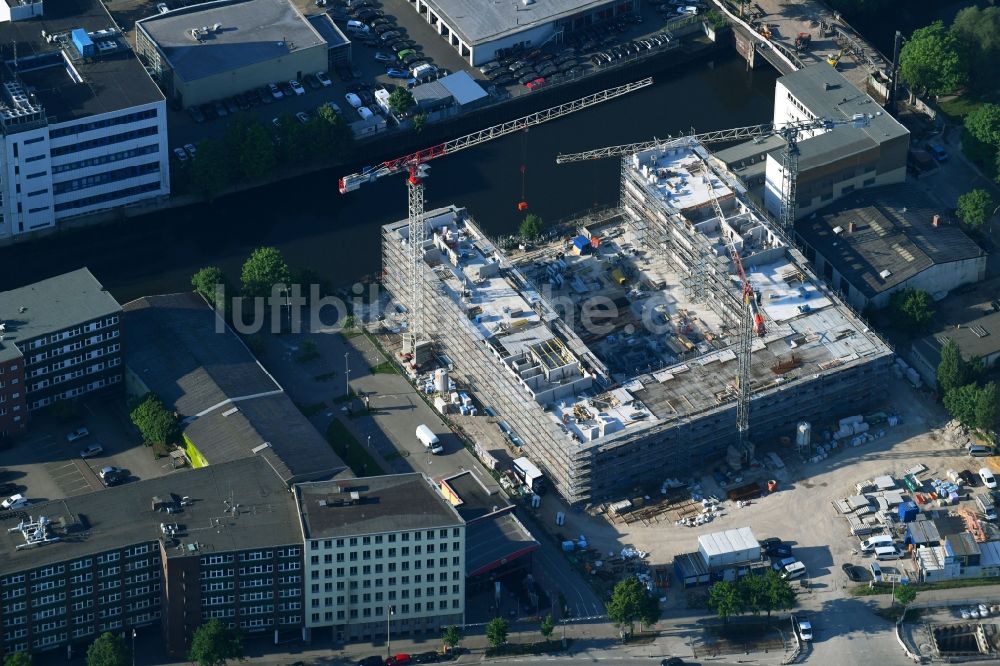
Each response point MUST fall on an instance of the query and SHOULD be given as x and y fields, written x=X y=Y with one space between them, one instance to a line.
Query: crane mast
x=416 y=168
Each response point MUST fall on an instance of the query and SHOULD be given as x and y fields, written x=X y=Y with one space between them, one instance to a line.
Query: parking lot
x=43 y=465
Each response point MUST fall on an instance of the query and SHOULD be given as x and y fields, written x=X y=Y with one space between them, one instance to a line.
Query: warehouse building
x=833 y=163
x=614 y=368
x=214 y=50
x=160 y=556
x=877 y=242
x=230 y=407
x=384 y=553
x=84 y=127
x=477 y=30
x=60 y=339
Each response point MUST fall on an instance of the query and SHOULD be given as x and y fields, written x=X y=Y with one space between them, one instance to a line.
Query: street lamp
x=347 y=374
x=369 y=441
x=389 y=612
x=133 y=646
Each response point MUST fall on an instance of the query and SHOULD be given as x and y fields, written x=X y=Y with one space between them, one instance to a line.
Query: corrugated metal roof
x=730 y=541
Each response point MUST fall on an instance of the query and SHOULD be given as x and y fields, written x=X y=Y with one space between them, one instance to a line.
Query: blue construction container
x=908 y=512
x=84 y=45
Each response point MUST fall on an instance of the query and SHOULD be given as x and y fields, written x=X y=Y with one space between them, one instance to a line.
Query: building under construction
x=612 y=353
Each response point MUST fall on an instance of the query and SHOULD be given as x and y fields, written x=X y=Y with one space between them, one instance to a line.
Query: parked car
x=91 y=451
x=232 y=106
x=77 y=435
x=937 y=152
x=180 y=155
x=373 y=660
x=353 y=100
x=365 y=112
x=405 y=52
x=303 y=117
x=986 y=475
x=196 y=114
x=537 y=83
x=384 y=57
x=14 y=502
x=389 y=36
x=427 y=658
x=275 y=91
x=287 y=89
x=690 y=9
x=398 y=660
x=804 y=627
x=190 y=149
x=112 y=476
x=296 y=87
x=397 y=73
x=323 y=79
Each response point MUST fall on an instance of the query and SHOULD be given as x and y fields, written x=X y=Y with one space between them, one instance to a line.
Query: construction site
x=681 y=330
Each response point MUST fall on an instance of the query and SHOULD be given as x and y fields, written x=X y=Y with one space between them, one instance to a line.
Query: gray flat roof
x=51 y=305
x=827 y=94
x=250 y=32
x=463 y=88
x=494 y=542
x=475 y=501
x=111 y=82
x=478 y=21
x=124 y=515
x=892 y=232
x=328 y=30
x=228 y=403
x=385 y=504
x=977 y=337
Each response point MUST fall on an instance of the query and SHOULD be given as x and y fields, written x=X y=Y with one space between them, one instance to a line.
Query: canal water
x=338 y=235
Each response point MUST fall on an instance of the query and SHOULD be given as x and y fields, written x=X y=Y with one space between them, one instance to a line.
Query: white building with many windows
x=84 y=126
x=381 y=552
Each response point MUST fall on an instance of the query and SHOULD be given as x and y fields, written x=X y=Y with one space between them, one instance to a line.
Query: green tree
x=987 y=405
x=905 y=595
x=215 y=644
x=257 y=157
x=497 y=631
x=934 y=59
x=108 y=650
x=961 y=403
x=17 y=659
x=451 y=638
x=975 y=207
x=724 y=599
x=210 y=169
x=981 y=137
x=419 y=121
x=649 y=610
x=779 y=593
x=753 y=593
x=953 y=370
x=547 y=627
x=627 y=603
x=205 y=282
x=264 y=268
x=912 y=309
x=156 y=424
x=531 y=227
x=400 y=100
x=979 y=29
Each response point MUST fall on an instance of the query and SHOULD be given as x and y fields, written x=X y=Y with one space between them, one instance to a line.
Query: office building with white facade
x=477 y=30
x=833 y=163
x=84 y=126
x=381 y=553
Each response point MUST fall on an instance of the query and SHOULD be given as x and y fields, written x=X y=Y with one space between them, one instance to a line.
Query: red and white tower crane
x=416 y=168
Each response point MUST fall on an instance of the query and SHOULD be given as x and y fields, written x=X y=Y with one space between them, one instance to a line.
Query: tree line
x=966 y=394
x=751 y=594
x=250 y=152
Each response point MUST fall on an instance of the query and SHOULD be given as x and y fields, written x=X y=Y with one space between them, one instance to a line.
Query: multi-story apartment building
x=381 y=553
x=61 y=339
x=160 y=555
x=83 y=125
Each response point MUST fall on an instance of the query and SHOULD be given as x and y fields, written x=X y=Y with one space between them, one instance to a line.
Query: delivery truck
x=429 y=439
x=528 y=474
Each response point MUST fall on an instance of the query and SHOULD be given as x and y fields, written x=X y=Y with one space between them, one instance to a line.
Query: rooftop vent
x=885 y=274
x=838 y=230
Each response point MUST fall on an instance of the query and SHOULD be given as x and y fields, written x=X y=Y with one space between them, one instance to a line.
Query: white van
x=429 y=439
x=356 y=26
x=883 y=553
x=876 y=571
x=423 y=70
x=986 y=507
x=868 y=545
x=365 y=112
x=793 y=570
